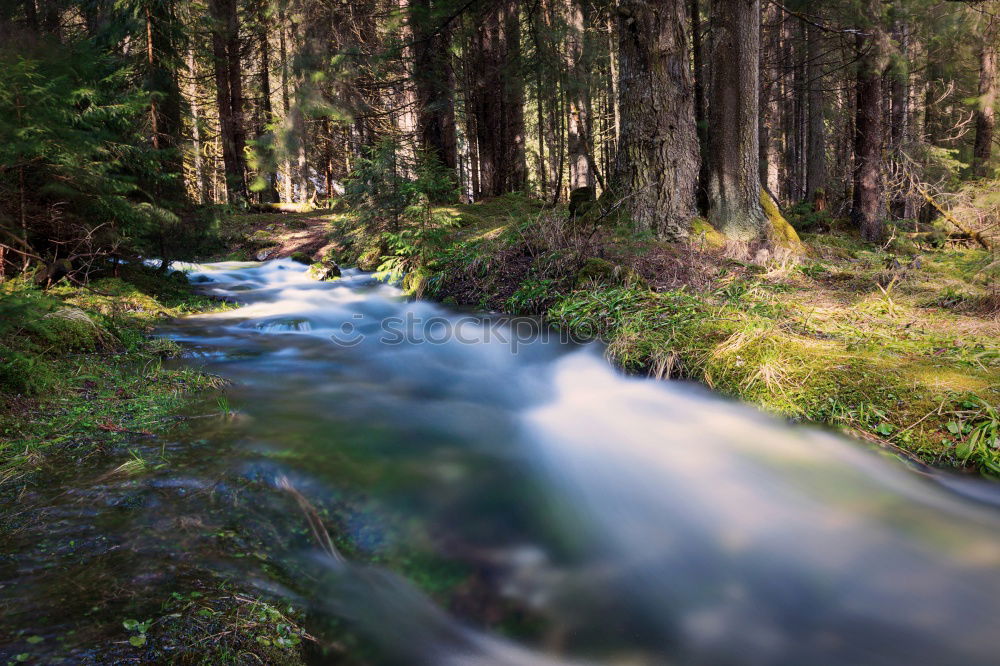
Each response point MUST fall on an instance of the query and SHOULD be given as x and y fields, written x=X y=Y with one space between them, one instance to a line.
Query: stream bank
x=898 y=345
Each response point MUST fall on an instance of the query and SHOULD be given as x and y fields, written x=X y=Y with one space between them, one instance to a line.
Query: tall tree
x=985 y=107
x=734 y=188
x=867 y=210
x=816 y=151
x=434 y=80
x=162 y=61
x=266 y=115
x=578 y=57
x=496 y=98
x=657 y=165
x=229 y=95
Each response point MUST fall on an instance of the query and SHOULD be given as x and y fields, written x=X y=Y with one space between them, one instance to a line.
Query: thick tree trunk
x=985 y=109
x=578 y=63
x=497 y=99
x=816 y=154
x=657 y=164
x=434 y=80
x=867 y=210
x=229 y=95
x=734 y=169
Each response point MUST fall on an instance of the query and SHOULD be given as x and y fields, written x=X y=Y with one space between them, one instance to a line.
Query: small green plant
x=976 y=431
x=138 y=631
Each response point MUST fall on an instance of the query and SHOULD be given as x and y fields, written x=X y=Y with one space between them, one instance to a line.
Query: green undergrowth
x=899 y=345
x=77 y=363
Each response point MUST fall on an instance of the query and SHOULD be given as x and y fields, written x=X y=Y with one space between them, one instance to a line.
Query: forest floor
x=898 y=345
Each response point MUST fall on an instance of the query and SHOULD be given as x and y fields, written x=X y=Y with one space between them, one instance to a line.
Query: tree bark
x=497 y=99
x=657 y=164
x=769 y=153
x=578 y=63
x=270 y=192
x=985 y=109
x=200 y=184
x=734 y=169
x=867 y=210
x=165 y=95
x=434 y=80
x=229 y=95
x=816 y=154
x=701 y=124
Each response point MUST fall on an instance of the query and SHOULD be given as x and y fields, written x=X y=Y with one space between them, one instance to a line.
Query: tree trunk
x=497 y=99
x=734 y=170
x=578 y=65
x=434 y=80
x=866 y=212
x=985 y=109
x=657 y=164
x=816 y=154
x=165 y=95
x=769 y=153
x=229 y=95
x=286 y=181
x=701 y=124
x=270 y=192
x=200 y=184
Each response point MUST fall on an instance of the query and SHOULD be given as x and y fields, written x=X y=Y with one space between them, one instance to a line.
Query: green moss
x=703 y=232
x=301 y=258
x=783 y=233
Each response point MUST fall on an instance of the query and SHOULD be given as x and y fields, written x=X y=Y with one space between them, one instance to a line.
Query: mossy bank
x=89 y=402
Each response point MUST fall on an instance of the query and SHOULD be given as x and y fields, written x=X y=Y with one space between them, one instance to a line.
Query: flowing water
x=497 y=496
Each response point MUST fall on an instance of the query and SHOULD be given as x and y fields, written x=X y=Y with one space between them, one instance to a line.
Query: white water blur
x=737 y=538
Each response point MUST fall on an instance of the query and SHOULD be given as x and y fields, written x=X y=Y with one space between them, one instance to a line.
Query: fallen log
x=971 y=233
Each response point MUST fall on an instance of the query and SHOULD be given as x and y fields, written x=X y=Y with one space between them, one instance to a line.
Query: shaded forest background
x=126 y=123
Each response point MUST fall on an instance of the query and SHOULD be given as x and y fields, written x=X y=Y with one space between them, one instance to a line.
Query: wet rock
x=301 y=257
x=324 y=270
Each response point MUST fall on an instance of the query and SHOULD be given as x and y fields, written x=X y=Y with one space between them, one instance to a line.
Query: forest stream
x=622 y=520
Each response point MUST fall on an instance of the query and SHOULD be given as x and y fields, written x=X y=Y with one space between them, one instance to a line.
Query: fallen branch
x=971 y=233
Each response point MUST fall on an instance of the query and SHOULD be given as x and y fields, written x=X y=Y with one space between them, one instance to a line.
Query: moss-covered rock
x=324 y=270
x=301 y=257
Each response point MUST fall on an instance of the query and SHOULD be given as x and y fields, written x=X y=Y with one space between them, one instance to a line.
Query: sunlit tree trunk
x=657 y=165
x=578 y=64
x=734 y=169
x=867 y=210
x=985 y=109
